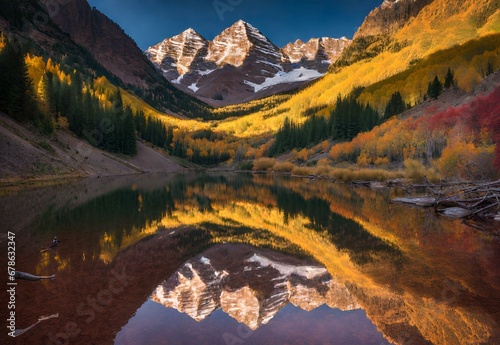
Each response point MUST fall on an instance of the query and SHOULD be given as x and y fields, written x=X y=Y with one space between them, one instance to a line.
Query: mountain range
x=241 y=64
x=250 y=285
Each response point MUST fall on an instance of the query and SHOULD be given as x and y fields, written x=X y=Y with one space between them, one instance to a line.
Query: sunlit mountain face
x=202 y=256
x=250 y=285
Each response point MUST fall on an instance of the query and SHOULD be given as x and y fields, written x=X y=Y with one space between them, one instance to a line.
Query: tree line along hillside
x=102 y=120
x=345 y=122
x=38 y=90
x=470 y=63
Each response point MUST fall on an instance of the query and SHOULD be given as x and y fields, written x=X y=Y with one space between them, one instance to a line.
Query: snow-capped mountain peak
x=176 y=55
x=317 y=53
x=235 y=44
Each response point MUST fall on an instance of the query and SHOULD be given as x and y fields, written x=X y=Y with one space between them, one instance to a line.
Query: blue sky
x=151 y=21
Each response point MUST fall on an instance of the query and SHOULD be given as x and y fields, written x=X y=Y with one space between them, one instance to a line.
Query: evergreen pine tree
x=129 y=134
x=490 y=68
x=395 y=106
x=5 y=76
x=21 y=103
x=449 y=79
x=108 y=128
x=63 y=100
x=75 y=114
x=435 y=88
x=119 y=117
x=46 y=93
x=88 y=112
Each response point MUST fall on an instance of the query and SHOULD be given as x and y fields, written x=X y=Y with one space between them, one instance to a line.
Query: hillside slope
x=85 y=38
x=27 y=155
x=448 y=24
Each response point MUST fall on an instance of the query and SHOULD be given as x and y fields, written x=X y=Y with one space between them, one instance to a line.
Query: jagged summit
x=177 y=55
x=317 y=53
x=237 y=42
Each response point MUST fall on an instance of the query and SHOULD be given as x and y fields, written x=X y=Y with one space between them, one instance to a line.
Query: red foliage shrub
x=483 y=112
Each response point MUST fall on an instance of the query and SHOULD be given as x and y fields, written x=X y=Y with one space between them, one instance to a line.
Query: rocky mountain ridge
x=251 y=286
x=241 y=64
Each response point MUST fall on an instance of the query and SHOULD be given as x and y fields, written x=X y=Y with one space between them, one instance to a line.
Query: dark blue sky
x=151 y=21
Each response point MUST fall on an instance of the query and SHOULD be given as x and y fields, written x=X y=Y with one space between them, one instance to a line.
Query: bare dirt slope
x=24 y=154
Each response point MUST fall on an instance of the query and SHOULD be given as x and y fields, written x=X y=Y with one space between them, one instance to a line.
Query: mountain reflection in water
x=287 y=261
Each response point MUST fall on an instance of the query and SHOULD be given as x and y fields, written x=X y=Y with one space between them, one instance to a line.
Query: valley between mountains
x=413 y=94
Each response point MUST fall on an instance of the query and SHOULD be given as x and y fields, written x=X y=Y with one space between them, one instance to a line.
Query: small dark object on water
x=54 y=244
x=31 y=277
x=55 y=241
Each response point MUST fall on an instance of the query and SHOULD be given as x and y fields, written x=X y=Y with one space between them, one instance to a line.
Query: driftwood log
x=31 y=277
x=466 y=200
x=18 y=332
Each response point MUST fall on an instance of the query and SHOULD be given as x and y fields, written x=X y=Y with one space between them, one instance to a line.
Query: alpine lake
x=244 y=259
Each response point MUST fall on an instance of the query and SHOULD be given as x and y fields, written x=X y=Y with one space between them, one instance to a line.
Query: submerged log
x=455 y=212
x=31 y=277
x=417 y=201
x=18 y=332
x=361 y=183
x=378 y=184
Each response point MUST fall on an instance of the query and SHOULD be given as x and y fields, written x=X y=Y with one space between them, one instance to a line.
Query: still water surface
x=241 y=259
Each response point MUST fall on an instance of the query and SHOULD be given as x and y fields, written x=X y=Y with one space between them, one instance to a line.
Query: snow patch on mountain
x=205 y=72
x=205 y=261
x=178 y=80
x=297 y=75
x=194 y=87
x=308 y=272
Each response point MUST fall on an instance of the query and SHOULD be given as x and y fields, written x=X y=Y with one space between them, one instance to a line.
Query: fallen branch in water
x=31 y=277
x=18 y=332
x=467 y=200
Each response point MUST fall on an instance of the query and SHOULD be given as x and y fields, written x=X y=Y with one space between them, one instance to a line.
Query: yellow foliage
x=323 y=170
x=381 y=161
x=264 y=164
x=416 y=171
x=455 y=159
x=365 y=174
x=465 y=160
x=283 y=167
x=440 y=25
x=302 y=171
x=36 y=67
